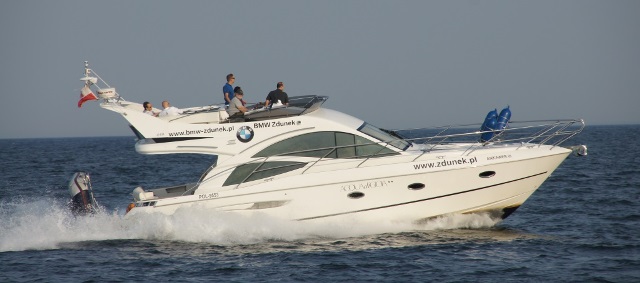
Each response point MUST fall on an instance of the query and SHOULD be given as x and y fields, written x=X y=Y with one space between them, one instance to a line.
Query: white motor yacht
x=305 y=162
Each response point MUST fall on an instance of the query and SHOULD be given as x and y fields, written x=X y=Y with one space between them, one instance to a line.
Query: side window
x=260 y=171
x=343 y=139
x=365 y=148
x=319 y=144
x=303 y=143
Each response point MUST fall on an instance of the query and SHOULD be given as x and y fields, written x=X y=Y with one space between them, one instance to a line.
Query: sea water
x=582 y=225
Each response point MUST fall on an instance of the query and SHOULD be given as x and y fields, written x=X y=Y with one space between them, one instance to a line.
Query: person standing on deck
x=227 y=89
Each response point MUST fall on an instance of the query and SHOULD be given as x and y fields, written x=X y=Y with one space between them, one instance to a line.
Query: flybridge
x=298 y=105
x=209 y=114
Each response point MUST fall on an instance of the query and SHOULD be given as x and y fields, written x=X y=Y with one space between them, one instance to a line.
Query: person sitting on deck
x=277 y=95
x=236 y=107
x=169 y=110
x=148 y=109
x=235 y=90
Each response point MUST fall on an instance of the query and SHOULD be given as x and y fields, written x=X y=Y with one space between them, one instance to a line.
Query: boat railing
x=541 y=132
x=525 y=133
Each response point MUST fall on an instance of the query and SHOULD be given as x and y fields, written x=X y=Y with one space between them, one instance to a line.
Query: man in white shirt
x=169 y=110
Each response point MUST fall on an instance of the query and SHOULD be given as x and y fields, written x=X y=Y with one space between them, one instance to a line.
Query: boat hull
x=405 y=192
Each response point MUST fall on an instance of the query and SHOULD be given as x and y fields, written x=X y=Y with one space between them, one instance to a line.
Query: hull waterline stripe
x=421 y=200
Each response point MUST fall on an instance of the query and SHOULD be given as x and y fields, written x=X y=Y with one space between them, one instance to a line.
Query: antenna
x=87 y=71
x=88 y=80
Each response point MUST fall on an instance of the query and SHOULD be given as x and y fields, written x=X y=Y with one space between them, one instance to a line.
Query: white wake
x=47 y=223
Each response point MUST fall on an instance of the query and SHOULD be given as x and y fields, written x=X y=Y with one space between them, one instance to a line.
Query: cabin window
x=384 y=136
x=326 y=144
x=261 y=171
x=345 y=139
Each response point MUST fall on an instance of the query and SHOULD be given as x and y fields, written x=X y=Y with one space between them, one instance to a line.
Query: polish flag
x=85 y=95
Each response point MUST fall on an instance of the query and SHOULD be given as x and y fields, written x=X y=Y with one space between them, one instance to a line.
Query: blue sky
x=395 y=64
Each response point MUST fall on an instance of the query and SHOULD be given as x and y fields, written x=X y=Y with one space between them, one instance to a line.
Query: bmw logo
x=245 y=134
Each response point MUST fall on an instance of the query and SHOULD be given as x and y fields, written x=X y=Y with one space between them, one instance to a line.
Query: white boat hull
x=387 y=196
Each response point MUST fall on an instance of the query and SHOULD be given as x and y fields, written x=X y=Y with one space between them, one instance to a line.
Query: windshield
x=383 y=136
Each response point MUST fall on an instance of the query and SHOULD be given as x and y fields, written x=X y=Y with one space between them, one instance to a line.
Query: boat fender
x=490 y=124
x=503 y=118
x=130 y=207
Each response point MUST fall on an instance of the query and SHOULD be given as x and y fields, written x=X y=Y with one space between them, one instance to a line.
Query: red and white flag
x=85 y=95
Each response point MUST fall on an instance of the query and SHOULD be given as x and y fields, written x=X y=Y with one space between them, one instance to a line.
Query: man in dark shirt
x=277 y=95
